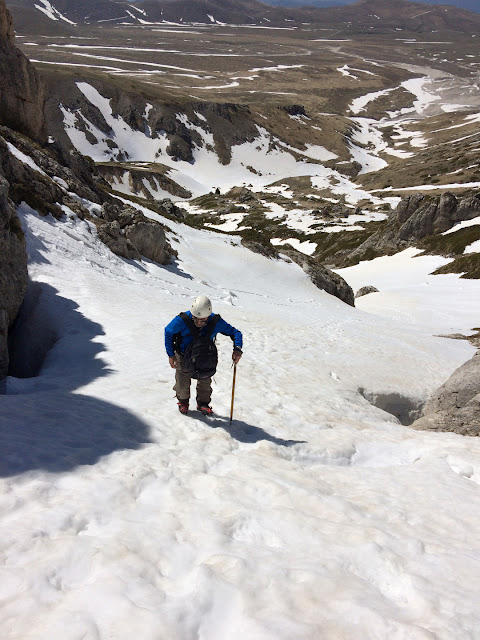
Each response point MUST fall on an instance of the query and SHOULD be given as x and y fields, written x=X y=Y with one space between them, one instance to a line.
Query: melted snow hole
x=33 y=334
x=406 y=410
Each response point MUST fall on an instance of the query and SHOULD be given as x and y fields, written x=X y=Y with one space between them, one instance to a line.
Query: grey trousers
x=182 y=385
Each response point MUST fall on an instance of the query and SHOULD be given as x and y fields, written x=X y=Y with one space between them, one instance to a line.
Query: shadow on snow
x=244 y=432
x=44 y=423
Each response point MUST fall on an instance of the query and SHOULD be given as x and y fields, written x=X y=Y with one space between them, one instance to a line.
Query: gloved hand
x=173 y=362
x=236 y=355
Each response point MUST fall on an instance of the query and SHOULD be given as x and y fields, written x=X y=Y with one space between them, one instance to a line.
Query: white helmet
x=201 y=307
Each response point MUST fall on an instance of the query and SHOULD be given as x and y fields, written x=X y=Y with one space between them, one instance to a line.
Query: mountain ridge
x=470 y=5
x=363 y=16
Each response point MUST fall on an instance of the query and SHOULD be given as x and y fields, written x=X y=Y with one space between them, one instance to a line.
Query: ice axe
x=233 y=390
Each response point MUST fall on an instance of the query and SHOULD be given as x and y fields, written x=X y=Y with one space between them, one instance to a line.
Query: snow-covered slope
x=313 y=515
x=49 y=10
x=263 y=158
x=260 y=162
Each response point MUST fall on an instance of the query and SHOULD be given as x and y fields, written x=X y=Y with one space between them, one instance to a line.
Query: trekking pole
x=233 y=390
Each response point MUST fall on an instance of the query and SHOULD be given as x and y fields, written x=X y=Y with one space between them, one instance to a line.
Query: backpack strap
x=211 y=325
x=190 y=324
x=194 y=330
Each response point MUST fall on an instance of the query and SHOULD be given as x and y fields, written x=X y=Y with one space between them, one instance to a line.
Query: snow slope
x=259 y=163
x=313 y=515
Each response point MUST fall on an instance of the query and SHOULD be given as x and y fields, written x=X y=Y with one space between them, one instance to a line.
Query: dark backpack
x=201 y=357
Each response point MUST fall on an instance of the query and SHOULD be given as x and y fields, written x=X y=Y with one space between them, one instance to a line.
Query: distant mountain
x=78 y=12
x=386 y=15
x=362 y=16
x=471 y=5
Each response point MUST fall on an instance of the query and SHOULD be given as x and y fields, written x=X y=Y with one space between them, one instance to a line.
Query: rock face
x=129 y=234
x=363 y=291
x=21 y=107
x=264 y=249
x=21 y=92
x=13 y=270
x=416 y=217
x=46 y=185
x=322 y=277
x=149 y=239
x=455 y=406
x=43 y=182
x=142 y=182
x=224 y=124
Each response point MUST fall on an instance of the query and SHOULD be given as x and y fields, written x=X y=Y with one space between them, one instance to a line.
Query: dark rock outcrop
x=169 y=209
x=455 y=406
x=143 y=182
x=129 y=234
x=293 y=109
x=416 y=217
x=350 y=169
x=263 y=248
x=3 y=346
x=113 y=236
x=180 y=147
x=468 y=208
x=21 y=107
x=426 y=217
x=148 y=237
x=321 y=277
x=22 y=94
x=363 y=291
x=13 y=270
x=46 y=185
x=36 y=177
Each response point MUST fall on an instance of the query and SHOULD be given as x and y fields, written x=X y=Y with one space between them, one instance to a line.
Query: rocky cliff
x=414 y=223
x=322 y=277
x=184 y=125
x=21 y=107
x=13 y=269
x=22 y=94
x=455 y=406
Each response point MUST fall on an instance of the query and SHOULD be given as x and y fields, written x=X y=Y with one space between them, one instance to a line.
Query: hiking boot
x=205 y=409
x=183 y=406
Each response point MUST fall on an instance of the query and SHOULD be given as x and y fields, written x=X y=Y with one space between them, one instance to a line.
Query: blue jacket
x=178 y=326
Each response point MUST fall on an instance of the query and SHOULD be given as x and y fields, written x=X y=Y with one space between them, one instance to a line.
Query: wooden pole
x=233 y=390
